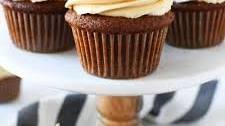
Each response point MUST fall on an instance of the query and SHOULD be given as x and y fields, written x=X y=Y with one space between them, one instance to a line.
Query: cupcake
x=198 y=23
x=9 y=86
x=119 y=39
x=38 y=25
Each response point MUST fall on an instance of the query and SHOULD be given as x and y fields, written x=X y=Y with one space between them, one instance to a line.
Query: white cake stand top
x=178 y=69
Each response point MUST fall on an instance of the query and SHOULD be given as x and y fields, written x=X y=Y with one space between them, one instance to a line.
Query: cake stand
x=119 y=101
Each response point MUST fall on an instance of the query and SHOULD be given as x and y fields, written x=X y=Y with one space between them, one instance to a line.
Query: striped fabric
x=185 y=106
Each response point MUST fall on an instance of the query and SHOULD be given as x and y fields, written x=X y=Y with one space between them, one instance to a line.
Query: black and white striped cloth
x=184 y=106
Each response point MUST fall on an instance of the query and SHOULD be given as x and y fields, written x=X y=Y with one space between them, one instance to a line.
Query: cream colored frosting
x=207 y=1
x=122 y=8
x=36 y=1
x=4 y=74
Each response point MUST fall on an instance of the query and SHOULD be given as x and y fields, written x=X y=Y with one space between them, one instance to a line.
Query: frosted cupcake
x=38 y=25
x=9 y=86
x=119 y=39
x=198 y=23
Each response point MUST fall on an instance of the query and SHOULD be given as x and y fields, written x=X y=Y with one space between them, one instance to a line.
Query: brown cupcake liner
x=197 y=29
x=9 y=89
x=119 y=56
x=39 y=32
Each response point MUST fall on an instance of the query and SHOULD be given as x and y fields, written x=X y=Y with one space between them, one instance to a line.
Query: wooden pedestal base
x=119 y=111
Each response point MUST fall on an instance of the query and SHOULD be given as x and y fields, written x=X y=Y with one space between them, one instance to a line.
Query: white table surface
x=31 y=92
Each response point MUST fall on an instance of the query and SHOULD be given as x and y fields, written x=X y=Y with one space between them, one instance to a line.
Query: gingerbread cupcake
x=38 y=25
x=198 y=23
x=9 y=86
x=119 y=39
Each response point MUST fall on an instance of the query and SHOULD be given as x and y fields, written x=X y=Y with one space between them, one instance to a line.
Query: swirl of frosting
x=207 y=1
x=121 y=8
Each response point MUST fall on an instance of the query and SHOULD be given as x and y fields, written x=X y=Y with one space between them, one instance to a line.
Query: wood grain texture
x=119 y=111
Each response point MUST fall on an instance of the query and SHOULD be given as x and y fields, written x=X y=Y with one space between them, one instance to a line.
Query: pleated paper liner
x=197 y=29
x=119 y=56
x=9 y=89
x=39 y=32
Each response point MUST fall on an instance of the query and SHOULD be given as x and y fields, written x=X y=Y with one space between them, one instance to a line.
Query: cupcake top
x=121 y=8
x=207 y=1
